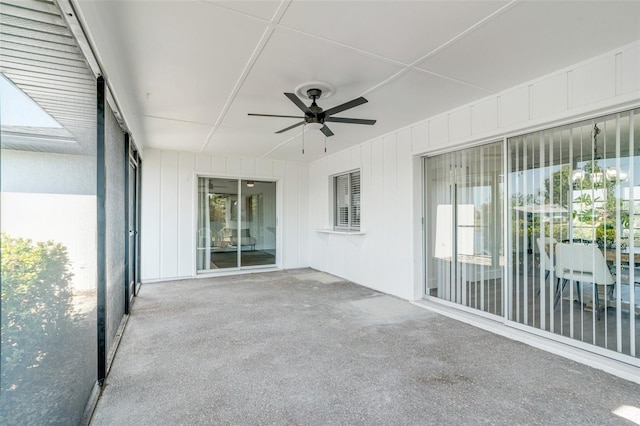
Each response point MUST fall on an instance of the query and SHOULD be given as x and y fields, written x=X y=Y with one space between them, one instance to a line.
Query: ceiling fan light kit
x=314 y=126
x=314 y=116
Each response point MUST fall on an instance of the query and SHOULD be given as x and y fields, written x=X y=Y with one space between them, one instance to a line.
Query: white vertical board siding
x=583 y=89
x=367 y=212
x=203 y=163
x=151 y=219
x=234 y=166
x=380 y=258
x=549 y=96
x=404 y=189
x=169 y=214
x=513 y=107
x=303 y=230
x=628 y=71
x=169 y=208
x=439 y=131
x=292 y=219
x=355 y=158
x=248 y=167
x=264 y=167
x=460 y=123
x=419 y=137
x=484 y=116
x=606 y=82
x=320 y=213
x=390 y=217
x=186 y=212
x=388 y=256
x=218 y=165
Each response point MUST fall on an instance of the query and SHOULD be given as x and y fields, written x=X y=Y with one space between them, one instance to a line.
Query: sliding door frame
x=428 y=216
x=278 y=228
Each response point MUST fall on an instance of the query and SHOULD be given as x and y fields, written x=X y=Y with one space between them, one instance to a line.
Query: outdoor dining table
x=625 y=257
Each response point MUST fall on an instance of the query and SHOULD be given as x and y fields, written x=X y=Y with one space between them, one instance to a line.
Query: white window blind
x=355 y=199
x=347 y=201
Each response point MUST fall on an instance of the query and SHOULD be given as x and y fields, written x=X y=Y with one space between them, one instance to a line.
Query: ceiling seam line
x=286 y=141
x=266 y=36
x=236 y=12
x=387 y=80
x=415 y=63
x=176 y=120
x=346 y=46
x=466 y=32
x=243 y=76
x=454 y=80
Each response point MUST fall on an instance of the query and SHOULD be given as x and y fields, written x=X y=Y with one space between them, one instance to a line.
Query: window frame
x=352 y=209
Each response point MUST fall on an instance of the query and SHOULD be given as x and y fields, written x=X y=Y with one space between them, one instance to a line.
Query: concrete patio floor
x=304 y=347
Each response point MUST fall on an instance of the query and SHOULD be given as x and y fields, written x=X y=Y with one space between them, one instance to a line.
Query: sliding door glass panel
x=577 y=185
x=257 y=231
x=464 y=249
x=218 y=213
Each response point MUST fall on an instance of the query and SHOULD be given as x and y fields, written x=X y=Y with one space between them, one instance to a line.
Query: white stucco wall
x=388 y=256
x=168 y=208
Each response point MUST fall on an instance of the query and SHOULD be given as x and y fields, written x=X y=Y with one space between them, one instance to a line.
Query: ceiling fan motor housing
x=317 y=113
x=314 y=94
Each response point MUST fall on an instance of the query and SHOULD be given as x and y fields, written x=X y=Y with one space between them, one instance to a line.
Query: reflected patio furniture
x=544 y=246
x=625 y=286
x=625 y=256
x=582 y=264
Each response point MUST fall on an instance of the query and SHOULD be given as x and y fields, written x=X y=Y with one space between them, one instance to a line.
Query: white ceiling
x=186 y=73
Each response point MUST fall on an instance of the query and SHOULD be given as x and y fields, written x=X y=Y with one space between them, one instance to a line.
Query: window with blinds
x=347 y=201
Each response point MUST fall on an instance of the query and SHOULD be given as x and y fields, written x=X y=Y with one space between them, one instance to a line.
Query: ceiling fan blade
x=290 y=127
x=347 y=105
x=350 y=120
x=272 y=115
x=327 y=131
x=296 y=100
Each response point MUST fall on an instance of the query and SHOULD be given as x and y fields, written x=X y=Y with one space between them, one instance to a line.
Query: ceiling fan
x=315 y=117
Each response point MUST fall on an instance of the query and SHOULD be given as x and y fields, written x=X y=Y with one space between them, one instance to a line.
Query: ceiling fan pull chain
x=303 y=132
x=325 y=143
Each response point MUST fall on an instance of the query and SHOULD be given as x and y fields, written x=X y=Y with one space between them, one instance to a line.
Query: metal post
x=128 y=225
x=101 y=231
x=138 y=221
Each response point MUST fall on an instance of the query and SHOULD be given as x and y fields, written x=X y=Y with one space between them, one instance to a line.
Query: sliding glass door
x=464 y=239
x=236 y=224
x=574 y=231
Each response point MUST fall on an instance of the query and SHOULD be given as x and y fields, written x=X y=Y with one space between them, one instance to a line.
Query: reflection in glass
x=464 y=250
x=48 y=211
x=579 y=185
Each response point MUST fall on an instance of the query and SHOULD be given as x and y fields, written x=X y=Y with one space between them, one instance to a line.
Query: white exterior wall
x=169 y=187
x=388 y=255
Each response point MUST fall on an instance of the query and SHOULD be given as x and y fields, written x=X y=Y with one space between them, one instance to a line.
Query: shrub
x=36 y=304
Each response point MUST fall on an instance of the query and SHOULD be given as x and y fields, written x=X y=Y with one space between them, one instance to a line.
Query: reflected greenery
x=36 y=307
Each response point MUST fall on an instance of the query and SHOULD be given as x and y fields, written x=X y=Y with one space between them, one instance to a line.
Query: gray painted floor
x=303 y=347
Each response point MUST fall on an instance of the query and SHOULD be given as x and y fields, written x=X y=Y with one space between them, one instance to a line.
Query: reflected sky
x=18 y=109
